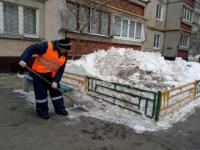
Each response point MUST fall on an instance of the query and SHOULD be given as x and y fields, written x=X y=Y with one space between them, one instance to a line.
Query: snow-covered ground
x=140 y=69
x=112 y=113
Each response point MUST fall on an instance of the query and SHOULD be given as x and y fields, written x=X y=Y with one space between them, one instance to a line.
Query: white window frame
x=128 y=30
x=37 y=26
x=160 y=12
x=157 y=41
x=21 y=19
x=17 y=8
x=187 y=14
x=20 y=22
x=184 y=40
x=1 y=18
x=128 y=27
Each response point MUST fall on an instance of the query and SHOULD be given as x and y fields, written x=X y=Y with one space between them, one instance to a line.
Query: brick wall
x=189 y=2
x=127 y=6
x=183 y=54
x=10 y=64
x=184 y=26
x=87 y=47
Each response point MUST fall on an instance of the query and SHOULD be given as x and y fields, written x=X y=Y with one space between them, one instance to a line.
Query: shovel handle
x=48 y=82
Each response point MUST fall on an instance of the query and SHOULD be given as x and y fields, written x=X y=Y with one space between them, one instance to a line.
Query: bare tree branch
x=80 y=31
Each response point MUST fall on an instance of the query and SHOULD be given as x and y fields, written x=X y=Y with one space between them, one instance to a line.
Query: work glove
x=22 y=63
x=54 y=85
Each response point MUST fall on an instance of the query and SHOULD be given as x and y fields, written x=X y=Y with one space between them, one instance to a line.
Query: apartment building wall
x=13 y=45
x=155 y=26
x=14 y=30
x=174 y=12
x=195 y=35
x=178 y=29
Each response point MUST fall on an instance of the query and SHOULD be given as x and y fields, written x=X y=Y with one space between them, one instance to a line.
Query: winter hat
x=64 y=43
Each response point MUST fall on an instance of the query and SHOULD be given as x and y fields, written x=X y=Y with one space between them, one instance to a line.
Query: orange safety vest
x=49 y=61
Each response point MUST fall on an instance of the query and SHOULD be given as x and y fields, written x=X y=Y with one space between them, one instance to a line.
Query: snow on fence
x=177 y=97
x=151 y=104
x=134 y=99
x=75 y=80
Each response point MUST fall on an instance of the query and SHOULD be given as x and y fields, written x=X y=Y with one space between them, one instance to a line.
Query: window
x=127 y=28
x=117 y=25
x=72 y=14
x=104 y=23
x=124 y=27
x=184 y=40
x=159 y=12
x=90 y=20
x=156 y=41
x=10 y=18
x=17 y=20
x=138 y=30
x=95 y=21
x=30 y=21
x=132 y=29
x=187 y=14
x=84 y=19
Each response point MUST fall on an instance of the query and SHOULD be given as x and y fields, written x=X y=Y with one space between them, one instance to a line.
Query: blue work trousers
x=41 y=89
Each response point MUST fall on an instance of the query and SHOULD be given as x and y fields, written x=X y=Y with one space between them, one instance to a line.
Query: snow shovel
x=67 y=96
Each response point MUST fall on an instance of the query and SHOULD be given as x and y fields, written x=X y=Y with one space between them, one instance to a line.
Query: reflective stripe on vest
x=49 y=61
x=44 y=61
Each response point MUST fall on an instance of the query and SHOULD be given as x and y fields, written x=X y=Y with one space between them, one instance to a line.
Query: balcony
x=156 y=24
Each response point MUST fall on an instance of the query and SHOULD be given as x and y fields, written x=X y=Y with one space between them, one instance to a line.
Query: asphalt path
x=21 y=129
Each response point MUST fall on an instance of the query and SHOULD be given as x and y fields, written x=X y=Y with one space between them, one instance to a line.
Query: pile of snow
x=140 y=69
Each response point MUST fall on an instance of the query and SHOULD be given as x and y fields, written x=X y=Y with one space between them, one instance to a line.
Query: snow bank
x=140 y=69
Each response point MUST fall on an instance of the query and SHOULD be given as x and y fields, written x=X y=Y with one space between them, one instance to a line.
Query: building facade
x=96 y=24
x=178 y=28
x=195 y=34
x=162 y=26
x=155 y=11
x=21 y=24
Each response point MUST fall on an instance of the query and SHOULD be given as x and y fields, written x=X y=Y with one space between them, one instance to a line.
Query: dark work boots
x=64 y=113
x=44 y=116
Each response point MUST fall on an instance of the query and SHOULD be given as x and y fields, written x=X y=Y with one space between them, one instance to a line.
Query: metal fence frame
x=94 y=84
